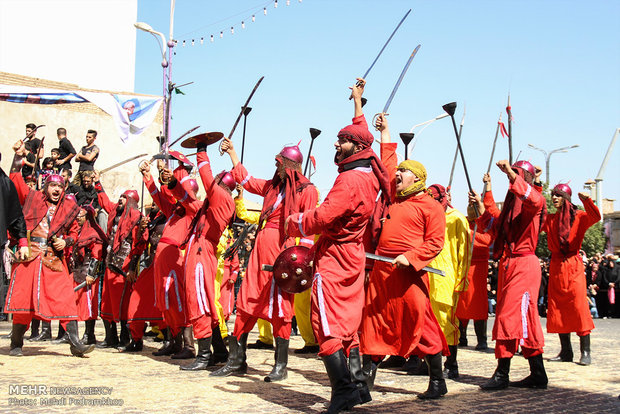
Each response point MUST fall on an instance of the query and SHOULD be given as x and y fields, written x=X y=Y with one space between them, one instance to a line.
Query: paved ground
x=143 y=383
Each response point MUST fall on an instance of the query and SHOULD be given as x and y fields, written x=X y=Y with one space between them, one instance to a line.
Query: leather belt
x=39 y=240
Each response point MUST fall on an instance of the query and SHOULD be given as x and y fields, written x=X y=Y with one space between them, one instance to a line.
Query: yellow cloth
x=219 y=254
x=449 y=323
x=251 y=217
x=419 y=171
x=264 y=332
x=302 y=315
x=454 y=261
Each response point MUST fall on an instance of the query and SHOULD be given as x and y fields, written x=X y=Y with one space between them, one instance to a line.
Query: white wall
x=91 y=43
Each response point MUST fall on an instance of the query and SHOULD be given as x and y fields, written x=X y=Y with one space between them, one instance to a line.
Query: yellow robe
x=454 y=261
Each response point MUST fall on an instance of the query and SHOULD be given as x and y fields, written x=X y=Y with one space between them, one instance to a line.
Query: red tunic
x=519 y=270
x=116 y=290
x=398 y=319
x=258 y=295
x=200 y=260
x=473 y=302
x=169 y=277
x=87 y=299
x=227 y=295
x=35 y=288
x=338 y=285
x=568 y=309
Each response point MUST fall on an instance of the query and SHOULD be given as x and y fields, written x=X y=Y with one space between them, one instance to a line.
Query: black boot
x=34 y=329
x=111 y=335
x=345 y=394
x=463 y=331
x=566 y=352
x=480 y=327
x=202 y=357
x=236 y=359
x=260 y=345
x=584 y=345
x=451 y=366
x=394 y=361
x=281 y=357
x=358 y=376
x=370 y=371
x=134 y=346
x=46 y=332
x=220 y=353
x=167 y=344
x=307 y=349
x=17 y=339
x=537 y=377
x=436 y=384
x=187 y=351
x=78 y=349
x=62 y=337
x=500 y=379
x=89 y=332
x=421 y=368
x=125 y=337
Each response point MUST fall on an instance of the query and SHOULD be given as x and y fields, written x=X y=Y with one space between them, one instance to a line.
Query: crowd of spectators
x=602 y=273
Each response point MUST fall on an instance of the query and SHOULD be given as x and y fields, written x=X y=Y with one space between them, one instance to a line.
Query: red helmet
x=292 y=153
x=227 y=179
x=526 y=166
x=193 y=184
x=562 y=190
x=54 y=178
x=71 y=197
x=132 y=194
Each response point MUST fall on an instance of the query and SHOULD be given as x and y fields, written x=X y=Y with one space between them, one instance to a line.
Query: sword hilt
x=374 y=119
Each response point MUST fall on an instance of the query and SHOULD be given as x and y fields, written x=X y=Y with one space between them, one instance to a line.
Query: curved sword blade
x=386 y=43
x=400 y=79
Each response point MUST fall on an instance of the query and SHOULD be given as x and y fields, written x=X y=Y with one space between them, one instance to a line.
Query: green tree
x=542 y=250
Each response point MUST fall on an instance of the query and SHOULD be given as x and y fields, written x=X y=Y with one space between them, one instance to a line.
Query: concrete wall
x=77 y=119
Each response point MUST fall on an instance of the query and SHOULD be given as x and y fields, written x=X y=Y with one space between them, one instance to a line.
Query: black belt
x=38 y=240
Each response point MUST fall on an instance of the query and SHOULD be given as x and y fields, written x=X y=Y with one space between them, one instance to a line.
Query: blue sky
x=559 y=60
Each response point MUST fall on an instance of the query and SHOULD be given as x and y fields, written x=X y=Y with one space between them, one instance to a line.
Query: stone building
x=77 y=118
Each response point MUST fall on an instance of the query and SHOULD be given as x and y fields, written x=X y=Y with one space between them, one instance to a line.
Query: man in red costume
x=398 y=318
x=516 y=231
x=127 y=241
x=168 y=261
x=568 y=309
x=87 y=264
x=40 y=284
x=142 y=307
x=473 y=302
x=339 y=259
x=200 y=261
x=286 y=193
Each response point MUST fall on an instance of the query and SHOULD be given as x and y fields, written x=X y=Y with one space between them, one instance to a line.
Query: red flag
x=502 y=129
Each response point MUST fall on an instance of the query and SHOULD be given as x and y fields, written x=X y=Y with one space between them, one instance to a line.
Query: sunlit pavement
x=132 y=383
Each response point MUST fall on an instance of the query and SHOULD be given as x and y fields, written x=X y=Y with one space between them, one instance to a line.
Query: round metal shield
x=292 y=269
x=206 y=137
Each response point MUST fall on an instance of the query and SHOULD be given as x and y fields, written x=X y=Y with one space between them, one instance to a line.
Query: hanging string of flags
x=250 y=18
